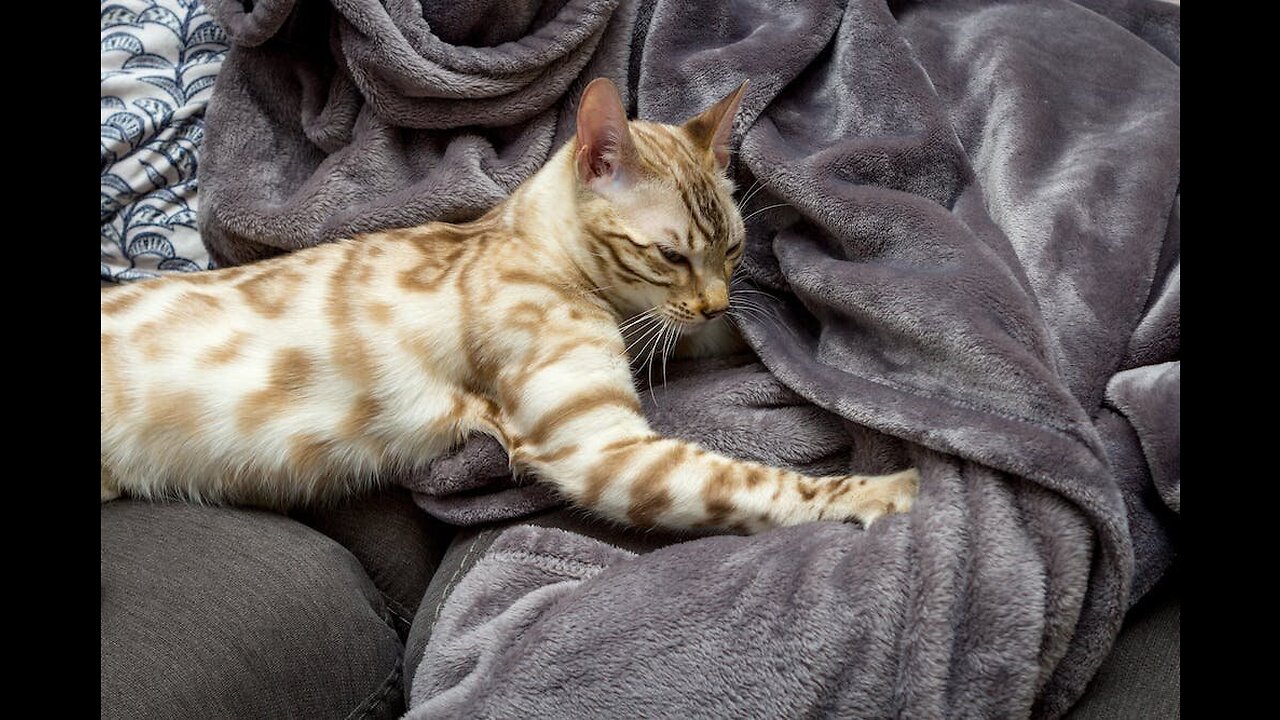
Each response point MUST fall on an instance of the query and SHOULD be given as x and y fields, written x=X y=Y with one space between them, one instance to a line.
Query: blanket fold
x=967 y=232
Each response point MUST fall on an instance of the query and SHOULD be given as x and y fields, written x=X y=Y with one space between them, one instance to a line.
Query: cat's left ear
x=713 y=127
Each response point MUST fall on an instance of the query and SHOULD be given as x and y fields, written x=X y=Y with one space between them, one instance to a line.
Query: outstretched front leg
x=573 y=418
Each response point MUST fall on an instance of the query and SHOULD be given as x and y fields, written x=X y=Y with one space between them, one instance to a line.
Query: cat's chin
x=710 y=339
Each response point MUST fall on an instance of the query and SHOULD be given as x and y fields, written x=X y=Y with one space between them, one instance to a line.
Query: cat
x=306 y=377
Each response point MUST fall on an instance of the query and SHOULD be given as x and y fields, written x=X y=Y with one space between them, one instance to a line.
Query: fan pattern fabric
x=159 y=61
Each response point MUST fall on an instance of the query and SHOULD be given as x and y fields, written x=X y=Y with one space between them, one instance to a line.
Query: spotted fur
x=309 y=376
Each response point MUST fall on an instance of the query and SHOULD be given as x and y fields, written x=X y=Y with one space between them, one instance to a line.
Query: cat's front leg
x=578 y=424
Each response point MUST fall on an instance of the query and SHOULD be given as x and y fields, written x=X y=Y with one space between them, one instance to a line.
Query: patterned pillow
x=159 y=60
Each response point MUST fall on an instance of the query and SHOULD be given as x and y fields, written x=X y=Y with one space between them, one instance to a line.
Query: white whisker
x=753 y=194
x=642 y=315
x=757 y=212
x=634 y=320
x=649 y=362
x=746 y=198
x=650 y=339
x=677 y=329
x=751 y=304
x=644 y=338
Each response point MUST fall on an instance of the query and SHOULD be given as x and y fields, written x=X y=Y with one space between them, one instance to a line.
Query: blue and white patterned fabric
x=159 y=60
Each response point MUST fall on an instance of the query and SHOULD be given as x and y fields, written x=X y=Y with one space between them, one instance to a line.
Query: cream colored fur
x=313 y=375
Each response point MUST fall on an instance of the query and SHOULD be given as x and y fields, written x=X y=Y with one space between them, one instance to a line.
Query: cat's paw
x=885 y=495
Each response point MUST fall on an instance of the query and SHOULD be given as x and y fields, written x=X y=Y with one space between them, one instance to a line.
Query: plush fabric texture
x=470 y=545
x=975 y=269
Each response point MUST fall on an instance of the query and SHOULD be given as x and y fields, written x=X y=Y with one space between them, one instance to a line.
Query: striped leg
x=597 y=447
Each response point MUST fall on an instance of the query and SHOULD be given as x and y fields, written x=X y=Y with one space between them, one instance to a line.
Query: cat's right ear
x=605 y=148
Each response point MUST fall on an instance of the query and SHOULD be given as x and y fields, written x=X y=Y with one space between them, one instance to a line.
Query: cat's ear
x=605 y=148
x=713 y=127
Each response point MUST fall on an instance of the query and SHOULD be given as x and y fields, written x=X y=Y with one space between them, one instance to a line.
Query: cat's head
x=657 y=207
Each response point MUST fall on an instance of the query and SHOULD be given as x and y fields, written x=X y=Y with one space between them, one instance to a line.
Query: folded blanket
x=974 y=267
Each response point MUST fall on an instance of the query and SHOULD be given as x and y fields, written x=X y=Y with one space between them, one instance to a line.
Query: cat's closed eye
x=672 y=256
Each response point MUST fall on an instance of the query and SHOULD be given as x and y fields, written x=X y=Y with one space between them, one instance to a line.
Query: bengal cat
x=308 y=376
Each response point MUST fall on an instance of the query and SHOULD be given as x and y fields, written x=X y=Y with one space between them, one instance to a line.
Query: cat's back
x=197 y=323
x=181 y=354
x=268 y=289
x=296 y=370
x=376 y=291
x=301 y=376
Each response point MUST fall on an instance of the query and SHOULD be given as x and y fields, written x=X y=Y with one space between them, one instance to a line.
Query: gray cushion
x=228 y=613
x=1142 y=676
x=398 y=544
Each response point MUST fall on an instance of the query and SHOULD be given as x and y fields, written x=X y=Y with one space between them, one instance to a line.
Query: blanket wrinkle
x=974 y=267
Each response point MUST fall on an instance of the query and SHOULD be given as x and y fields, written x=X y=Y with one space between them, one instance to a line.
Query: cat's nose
x=715 y=299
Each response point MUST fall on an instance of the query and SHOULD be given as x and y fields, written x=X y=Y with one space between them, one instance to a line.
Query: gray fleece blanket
x=974 y=267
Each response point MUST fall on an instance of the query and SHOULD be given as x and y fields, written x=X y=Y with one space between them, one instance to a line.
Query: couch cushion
x=231 y=613
x=1142 y=676
x=399 y=545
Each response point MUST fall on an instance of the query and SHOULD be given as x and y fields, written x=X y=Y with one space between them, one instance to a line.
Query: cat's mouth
x=682 y=316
